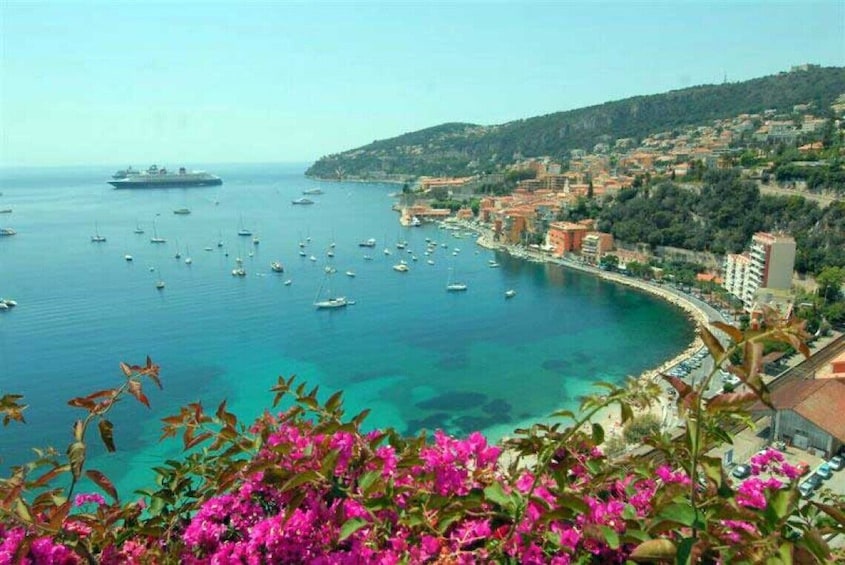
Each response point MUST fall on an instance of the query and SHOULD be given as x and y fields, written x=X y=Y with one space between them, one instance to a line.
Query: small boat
x=182 y=211
x=312 y=258
x=155 y=238
x=350 y=273
x=454 y=286
x=277 y=267
x=255 y=240
x=188 y=260
x=329 y=253
x=415 y=222
x=302 y=253
x=386 y=251
x=368 y=258
x=97 y=238
x=127 y=257
x=288 y=282
x=207 y=248
x=7 y=303
x=329 y=303
x=302 y=201
x=369 y=243
x=430 y=261
x=160 y=284
x=330 y=270
x=244 y=232
x=493 y=265
x=138 y=229
x=312 y=191
x=238 y=272
x=401 y=267
x=510 y=293
x=6 y=211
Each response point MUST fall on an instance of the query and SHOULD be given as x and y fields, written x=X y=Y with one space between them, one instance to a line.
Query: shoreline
x=609 y=418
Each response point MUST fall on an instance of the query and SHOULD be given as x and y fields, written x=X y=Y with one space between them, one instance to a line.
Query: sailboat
x=453 y=286
x=138 y=229
x=97 y=238
x=244 y=231
x=330 y=302
x=159 y=282
x=188 y=259
x=155 y=238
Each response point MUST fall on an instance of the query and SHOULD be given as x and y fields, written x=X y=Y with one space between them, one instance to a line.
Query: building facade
x=768 y=264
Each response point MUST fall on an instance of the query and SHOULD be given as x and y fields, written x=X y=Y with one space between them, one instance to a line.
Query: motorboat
x=456 y=287
x=181 y=211
x=369 y=243
x=277 y=267
x=401 y=267
x=510 y=293
x=303 y=201
x=97 y=238
x=350 y=273
x=312 y=191
x=288 y=282
x=127 y=257
x=160 y=285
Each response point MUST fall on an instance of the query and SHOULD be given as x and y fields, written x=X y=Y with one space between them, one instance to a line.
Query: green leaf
x=496 y=494
x=610 y=536
x=300 y=479
x=351 y=526
x=598 y=434
x=680 y=513
x=654 y=550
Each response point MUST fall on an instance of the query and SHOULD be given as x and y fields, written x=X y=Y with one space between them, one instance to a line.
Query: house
x=808 y=414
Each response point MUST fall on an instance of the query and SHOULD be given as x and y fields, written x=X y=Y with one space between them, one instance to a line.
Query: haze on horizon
x=189 y=83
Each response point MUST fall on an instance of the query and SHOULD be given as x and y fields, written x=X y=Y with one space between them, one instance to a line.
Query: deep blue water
x=419 y=356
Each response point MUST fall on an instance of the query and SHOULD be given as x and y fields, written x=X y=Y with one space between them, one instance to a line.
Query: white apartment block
x=768 y=264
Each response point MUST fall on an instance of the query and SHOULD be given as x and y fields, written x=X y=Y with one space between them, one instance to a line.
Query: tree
x=830 y=281
x=609 y=262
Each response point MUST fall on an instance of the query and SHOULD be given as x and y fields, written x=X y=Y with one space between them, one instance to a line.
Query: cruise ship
x=162 y=178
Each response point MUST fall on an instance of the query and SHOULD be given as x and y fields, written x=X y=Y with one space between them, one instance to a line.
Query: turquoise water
x=420 y=357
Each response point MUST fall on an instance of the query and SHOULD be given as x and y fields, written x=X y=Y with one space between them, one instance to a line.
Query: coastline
x=609 y=418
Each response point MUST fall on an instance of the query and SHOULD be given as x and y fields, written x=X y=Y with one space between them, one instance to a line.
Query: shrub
x=305 y=484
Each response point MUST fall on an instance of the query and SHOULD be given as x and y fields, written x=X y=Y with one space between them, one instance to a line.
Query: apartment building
x=768 y=263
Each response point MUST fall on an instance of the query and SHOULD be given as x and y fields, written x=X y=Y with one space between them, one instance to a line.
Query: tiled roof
x=820 y=401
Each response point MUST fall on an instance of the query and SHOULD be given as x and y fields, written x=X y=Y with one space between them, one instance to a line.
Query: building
x=565 y=237
x=595 y=245
x=768 y=264
x=808 y=414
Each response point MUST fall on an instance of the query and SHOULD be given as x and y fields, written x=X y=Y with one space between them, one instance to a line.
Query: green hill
x=459 y=149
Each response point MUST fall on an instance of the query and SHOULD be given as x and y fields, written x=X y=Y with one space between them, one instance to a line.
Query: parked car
x=836 y=462
x=803 y=467
x=806 y=489
x=741 y=471
x=824 y=471
x=815 y=480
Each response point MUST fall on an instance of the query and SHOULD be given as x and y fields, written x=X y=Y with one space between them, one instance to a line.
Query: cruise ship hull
x=165 y=183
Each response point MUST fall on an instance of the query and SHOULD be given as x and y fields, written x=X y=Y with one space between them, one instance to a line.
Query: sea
x=419 y=357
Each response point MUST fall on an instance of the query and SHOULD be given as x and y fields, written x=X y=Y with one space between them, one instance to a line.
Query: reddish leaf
x=135 y=390
x=81 y=402
x=103 y=482
x=58 y=516
x=197 y=440
x=127 y=370
x=730 y=399
x=107 y=434
x=49 y=476
x=732 y=331
x=713 y=345
x=679 y=385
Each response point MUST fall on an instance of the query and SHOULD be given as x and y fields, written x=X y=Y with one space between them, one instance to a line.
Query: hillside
x=458 y=148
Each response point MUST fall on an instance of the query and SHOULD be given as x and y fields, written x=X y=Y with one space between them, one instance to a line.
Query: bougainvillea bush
x=305 y=484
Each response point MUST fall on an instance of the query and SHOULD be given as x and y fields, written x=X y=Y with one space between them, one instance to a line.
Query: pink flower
x=93 y=498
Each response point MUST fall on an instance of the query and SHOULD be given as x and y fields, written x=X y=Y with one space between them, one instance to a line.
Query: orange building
x=565 y=237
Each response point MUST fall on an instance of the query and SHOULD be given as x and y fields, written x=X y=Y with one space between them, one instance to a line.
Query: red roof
x=820 y=401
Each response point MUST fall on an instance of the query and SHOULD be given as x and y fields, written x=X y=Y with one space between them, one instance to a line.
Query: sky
x=185 y=83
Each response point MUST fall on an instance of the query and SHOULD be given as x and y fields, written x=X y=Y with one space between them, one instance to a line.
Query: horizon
x=279 y=83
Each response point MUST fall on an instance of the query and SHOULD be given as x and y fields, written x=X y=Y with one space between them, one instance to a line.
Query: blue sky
x=196 y=82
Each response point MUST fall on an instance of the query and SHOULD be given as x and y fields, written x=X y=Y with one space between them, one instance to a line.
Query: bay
x=418 y=356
